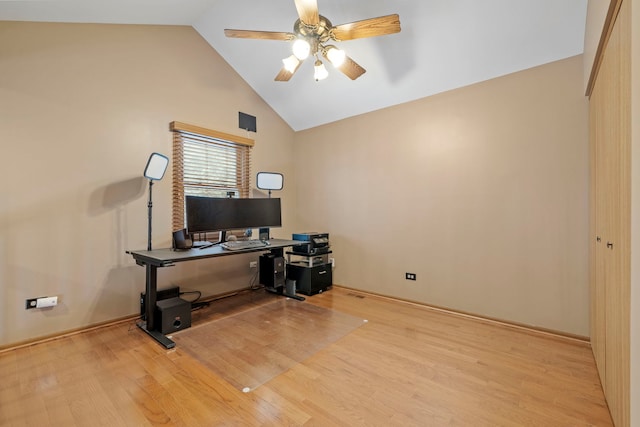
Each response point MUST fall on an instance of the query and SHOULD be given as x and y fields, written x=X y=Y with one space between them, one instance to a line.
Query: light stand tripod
x=154 y=171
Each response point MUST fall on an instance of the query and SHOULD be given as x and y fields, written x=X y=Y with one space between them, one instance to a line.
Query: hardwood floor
x=407 y=366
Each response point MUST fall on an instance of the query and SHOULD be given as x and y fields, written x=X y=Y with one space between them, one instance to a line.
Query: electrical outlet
x=41 y=302
x=253 y=264
x=46 y=302
x=410 y=276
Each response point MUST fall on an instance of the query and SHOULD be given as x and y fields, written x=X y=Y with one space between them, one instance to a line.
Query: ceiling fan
x=312 y=32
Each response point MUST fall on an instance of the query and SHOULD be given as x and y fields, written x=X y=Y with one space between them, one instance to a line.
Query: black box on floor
x=310 y=280
x=172 y=314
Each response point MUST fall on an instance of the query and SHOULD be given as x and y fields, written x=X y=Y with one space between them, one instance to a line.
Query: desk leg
x=158 y=336
x=151 y=288
x=297 y=297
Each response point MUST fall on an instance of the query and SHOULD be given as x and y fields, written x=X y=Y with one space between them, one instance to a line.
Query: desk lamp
x=154 y=171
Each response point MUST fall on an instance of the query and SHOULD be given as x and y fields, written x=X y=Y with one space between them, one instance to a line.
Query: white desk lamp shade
x=156 y=166
x=269 y=181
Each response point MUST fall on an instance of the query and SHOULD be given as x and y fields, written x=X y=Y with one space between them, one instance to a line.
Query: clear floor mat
x=250 y=348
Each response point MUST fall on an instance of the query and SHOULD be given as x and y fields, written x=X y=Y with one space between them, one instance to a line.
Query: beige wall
x=81 y=109
x=481 y=191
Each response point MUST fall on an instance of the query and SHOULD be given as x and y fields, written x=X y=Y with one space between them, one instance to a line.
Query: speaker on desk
x=172 y=314
x=181 y=240
x=263 y=233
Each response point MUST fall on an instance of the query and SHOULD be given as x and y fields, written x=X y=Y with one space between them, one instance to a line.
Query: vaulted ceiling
x=443 y=44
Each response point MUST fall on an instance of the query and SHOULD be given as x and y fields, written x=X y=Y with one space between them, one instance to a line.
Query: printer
x=311 y=243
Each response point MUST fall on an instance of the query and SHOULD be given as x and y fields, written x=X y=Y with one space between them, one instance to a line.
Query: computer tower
x=272 y=270
x=172 y=314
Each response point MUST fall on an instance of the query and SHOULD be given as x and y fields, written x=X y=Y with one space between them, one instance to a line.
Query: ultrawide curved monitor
x=205 y=214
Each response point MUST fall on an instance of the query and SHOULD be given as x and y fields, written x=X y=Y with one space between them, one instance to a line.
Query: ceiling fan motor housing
x=314 y=34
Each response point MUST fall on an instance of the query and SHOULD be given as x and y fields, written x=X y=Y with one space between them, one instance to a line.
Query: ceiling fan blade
x=351 y=68
x=372 y=27
x=262 y=35
x=284 y=75
x=308 y=11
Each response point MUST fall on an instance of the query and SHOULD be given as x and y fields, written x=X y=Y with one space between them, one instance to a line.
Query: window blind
x=207 y=163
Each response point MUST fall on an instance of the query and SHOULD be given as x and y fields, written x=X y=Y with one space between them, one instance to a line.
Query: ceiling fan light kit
x=334 y=55
x=291 y=63
x=310 y=34
x=320 y=72
x=301 y=49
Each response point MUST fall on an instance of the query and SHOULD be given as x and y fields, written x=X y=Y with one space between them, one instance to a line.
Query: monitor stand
x=200 y=243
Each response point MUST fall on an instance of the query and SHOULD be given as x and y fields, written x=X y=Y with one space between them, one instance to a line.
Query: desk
x=167 y=257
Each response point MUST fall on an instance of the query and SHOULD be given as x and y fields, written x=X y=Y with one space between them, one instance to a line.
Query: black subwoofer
x=172 y=314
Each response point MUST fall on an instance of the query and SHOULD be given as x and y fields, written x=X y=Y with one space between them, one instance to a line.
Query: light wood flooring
x=407 y=366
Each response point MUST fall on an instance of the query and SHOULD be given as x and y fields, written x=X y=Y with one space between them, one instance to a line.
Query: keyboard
x=237 y=245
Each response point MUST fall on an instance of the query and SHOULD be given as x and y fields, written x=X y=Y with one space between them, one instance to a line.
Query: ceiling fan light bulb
x=320 y=72
x=336 y=56
x=291 y=63
x=301 y=49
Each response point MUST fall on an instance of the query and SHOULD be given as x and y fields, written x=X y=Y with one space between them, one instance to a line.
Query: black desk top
x=167 y=256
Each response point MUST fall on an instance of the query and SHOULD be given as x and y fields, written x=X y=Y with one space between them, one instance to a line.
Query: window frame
x=183 y=132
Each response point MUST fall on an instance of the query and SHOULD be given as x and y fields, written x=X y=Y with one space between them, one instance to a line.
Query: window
x=207 y=163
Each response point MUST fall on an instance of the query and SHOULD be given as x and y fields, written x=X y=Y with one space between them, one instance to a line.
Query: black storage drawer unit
x=310 y=280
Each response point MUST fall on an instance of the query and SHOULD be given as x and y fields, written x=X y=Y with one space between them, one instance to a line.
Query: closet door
x=618 y=252
x=610 y=132
x=597 y=220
